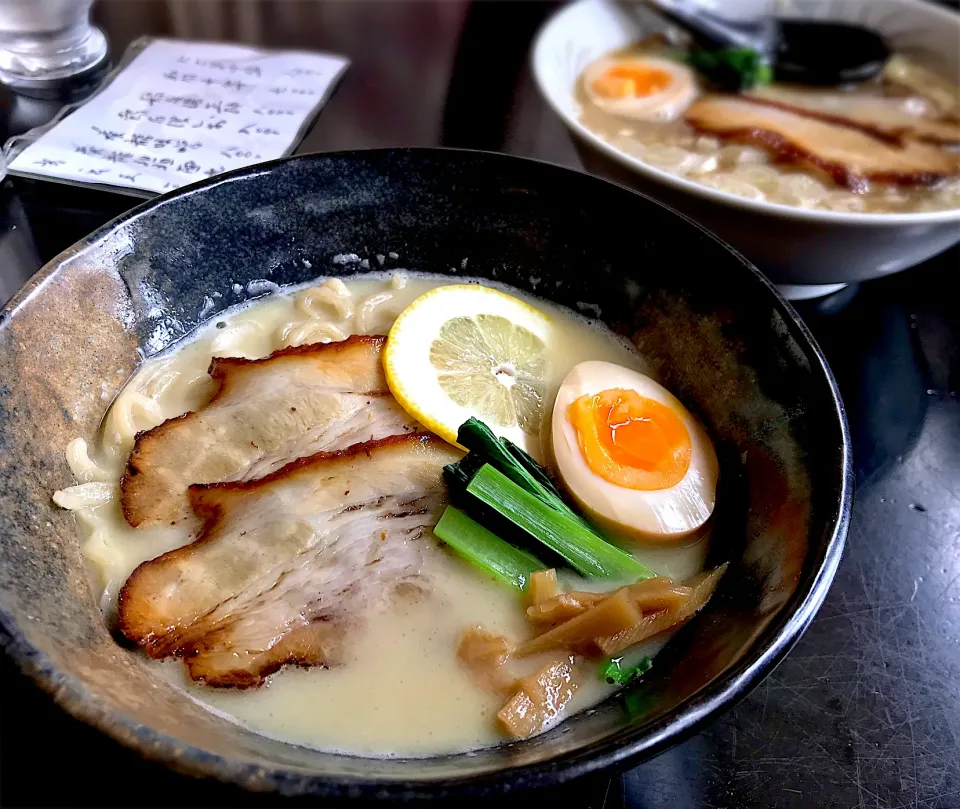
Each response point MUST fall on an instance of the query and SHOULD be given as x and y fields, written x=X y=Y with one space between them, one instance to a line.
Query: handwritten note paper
x=182 y=111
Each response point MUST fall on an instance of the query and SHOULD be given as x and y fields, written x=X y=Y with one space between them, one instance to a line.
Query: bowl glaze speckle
x=719 y=335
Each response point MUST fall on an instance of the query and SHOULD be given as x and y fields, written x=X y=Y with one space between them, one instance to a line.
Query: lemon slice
x=467 y=350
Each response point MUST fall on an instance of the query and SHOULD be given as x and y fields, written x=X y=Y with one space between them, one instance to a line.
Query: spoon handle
x=745 y=24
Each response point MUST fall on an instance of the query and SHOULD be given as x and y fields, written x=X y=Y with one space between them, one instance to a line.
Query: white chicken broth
x=396 y=687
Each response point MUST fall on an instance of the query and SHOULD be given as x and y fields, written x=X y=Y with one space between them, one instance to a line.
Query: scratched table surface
x=865 y=712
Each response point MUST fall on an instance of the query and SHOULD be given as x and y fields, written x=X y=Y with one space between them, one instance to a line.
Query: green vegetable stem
x=586 y=552
x=486 y=550
x=512 y=461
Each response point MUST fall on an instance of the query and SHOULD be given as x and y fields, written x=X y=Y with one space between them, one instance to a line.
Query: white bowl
x=794 y=246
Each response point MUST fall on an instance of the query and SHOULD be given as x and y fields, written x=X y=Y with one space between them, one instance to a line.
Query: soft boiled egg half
x=644 y=89
x=631 y=454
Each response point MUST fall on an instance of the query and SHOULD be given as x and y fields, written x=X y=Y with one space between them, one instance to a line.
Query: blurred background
x=422 y=71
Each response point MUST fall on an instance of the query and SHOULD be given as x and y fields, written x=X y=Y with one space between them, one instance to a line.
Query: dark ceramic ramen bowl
x=722 y=340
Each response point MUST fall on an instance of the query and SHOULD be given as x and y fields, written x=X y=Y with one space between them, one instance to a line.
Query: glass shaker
x=46 y=45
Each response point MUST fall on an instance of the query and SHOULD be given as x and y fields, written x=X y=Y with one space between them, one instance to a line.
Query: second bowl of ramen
x=817 y=186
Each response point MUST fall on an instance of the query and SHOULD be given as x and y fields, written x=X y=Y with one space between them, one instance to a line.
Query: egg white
x=665 y=514
x=666 y=105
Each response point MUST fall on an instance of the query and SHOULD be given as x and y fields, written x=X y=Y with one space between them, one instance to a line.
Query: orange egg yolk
x=631 y=81
x=630 y=440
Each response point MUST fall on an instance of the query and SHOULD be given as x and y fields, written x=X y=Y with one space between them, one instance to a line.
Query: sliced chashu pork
x=907 y=75
x=851 y=157
x=286 y=564
x=893 y=119
x=266 y=413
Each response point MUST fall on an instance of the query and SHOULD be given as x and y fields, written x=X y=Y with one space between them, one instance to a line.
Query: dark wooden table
x=865 y=712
